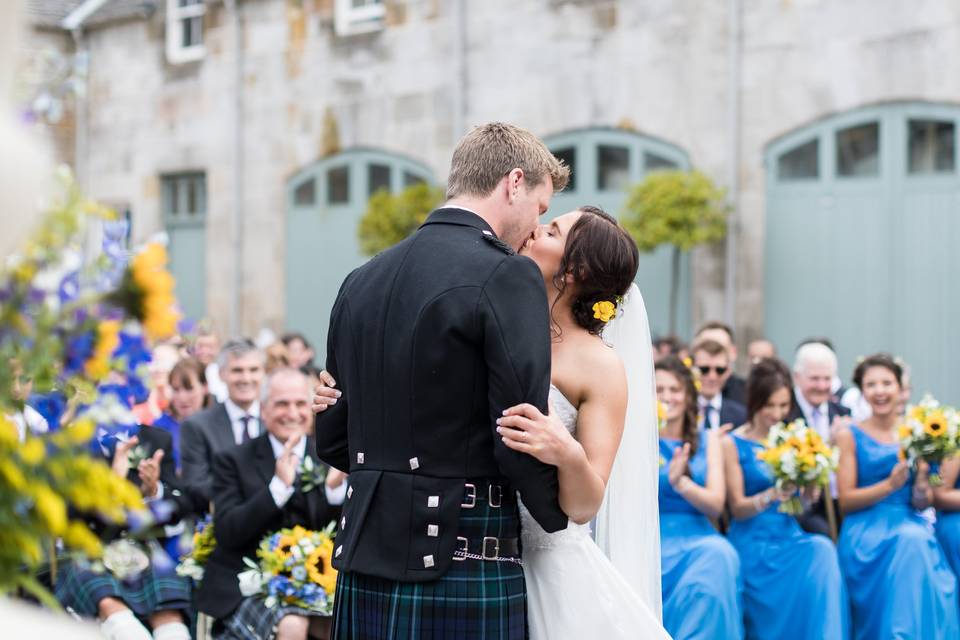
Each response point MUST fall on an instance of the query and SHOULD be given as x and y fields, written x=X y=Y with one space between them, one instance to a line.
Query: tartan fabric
x=474 y=600
x=253 y=620
x=81 y=588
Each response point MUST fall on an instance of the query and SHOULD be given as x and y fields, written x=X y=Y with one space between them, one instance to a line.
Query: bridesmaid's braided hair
x=674 y=365
x=603 y=259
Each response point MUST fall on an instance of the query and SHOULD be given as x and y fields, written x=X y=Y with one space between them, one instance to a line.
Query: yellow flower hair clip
x=604 y=310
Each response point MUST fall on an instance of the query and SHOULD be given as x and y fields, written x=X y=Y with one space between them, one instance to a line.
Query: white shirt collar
x=300 y=449
x=716 y=402
x=806 y=408
x=235 y=413
x=456 y=206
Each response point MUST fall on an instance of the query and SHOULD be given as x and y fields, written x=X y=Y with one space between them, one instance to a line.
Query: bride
x=606 y=471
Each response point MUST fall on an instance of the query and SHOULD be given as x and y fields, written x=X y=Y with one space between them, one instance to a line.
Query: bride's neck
x=561 y=313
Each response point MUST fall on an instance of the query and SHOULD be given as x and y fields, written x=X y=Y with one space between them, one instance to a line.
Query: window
x=338 y=185
x=358 y=16
x=613 y=168
x=306 y=194
x=858 y=151
x=800 y=163
x=185 y=31
x=378 y=177
x=653 y=162
x=184 y=197
x=569 y=157
x=931 y=146
x=410 y=179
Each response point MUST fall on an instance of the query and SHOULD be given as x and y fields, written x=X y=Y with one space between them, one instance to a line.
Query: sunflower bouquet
x=294 y=570
x=204 y=542
x=799 y=458
x=930 y=431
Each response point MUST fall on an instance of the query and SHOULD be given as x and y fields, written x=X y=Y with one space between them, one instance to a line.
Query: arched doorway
x=605 y=162
x=325 y=202
x=863 y=223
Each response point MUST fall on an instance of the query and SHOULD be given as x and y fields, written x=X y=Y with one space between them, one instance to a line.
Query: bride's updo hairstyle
x=603 y=259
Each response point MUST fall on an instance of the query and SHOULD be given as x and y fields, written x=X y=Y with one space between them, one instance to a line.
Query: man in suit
x=712 y=360
x=814 y=369
x=257 y=490
x=735 y=387
x=223 y=426
x=429 y=342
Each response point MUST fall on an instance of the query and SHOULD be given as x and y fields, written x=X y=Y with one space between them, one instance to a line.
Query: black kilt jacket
x=429 y=342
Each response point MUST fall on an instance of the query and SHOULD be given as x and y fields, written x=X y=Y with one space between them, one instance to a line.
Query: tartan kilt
x=253 y=620
x=473 y=600
x=81 y=588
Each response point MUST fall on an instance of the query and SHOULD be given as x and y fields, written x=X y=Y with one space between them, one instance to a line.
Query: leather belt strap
x=488 y=548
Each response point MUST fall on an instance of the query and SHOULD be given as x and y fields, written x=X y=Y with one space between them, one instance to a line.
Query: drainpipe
x=733 y=160
x=236 y=302
x=459 y=69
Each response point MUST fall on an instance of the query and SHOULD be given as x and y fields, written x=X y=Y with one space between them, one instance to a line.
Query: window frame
x=349 y=20
x=177 y=52
x=172 y=214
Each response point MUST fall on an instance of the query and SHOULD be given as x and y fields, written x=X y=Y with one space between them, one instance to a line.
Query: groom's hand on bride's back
x=325 y=394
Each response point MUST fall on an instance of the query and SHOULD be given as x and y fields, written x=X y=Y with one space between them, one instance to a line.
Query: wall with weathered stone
x=659 y=66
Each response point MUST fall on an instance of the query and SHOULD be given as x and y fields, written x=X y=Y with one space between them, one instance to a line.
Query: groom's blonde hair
x=493 y=150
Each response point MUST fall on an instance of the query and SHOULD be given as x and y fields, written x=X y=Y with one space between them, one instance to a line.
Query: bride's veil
x=628 y=524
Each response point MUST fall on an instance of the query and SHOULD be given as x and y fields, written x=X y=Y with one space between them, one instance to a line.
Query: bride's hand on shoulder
x=524 y=428
x=324 y=394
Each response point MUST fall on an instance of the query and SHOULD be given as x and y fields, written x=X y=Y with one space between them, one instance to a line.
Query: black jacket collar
x=458 y=216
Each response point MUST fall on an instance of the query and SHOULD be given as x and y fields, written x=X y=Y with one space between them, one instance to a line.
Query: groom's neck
x=484 y=208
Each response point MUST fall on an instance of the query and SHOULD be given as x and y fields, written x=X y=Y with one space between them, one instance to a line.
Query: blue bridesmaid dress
x=899 y=582
x=700 y=569
x=792 y=586
x=948 y=533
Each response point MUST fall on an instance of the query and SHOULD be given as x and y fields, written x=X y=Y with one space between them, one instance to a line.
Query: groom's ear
x=514 y=180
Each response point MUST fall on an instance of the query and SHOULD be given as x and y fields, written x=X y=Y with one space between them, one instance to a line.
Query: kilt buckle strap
x=490 y=549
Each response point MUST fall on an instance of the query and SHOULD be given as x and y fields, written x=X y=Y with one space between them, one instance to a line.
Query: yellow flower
x=8 y=432
x=904 y=431
x=51 y=508
x=13 y=475
x=78 y=536
x=33 y=451
x=604 y=310
x=688 y=362
x=98 y=366
x=935 y=424
x=319 y=568
x=81 y=431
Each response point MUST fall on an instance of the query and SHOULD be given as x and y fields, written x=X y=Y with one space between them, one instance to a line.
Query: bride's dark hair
x=603 y=259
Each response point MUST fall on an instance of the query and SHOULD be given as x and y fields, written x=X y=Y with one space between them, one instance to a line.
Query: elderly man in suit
x=257 y=490
x=814 y=369
x=224 y=425
x=712 y=360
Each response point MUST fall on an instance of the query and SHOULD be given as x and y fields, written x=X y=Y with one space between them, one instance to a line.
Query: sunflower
x=904 y=431
x=319 y=568
x=284 y=545
x=936 y=424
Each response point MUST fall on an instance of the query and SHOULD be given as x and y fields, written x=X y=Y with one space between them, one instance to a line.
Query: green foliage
x=392 y=217
x=679 y=208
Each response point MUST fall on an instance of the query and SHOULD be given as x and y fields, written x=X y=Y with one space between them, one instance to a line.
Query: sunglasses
x=705 y=370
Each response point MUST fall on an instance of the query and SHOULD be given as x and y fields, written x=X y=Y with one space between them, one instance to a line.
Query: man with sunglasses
x=712 y=360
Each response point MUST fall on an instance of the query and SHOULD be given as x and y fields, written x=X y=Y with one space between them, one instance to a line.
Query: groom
x=429 y=342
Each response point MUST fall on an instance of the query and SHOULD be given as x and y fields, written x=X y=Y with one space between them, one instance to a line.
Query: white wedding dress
x=573 y=590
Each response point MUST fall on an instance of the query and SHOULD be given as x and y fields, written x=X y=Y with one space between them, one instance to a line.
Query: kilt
x=253 y=620
x=474 y=600
x=81 y=589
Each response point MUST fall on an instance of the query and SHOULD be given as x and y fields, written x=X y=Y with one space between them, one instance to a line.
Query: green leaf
x=392 y=217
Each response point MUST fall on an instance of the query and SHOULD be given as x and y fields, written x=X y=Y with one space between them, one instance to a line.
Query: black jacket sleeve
x=515 y=320
x=330 y=426
x=238 y=520
x=195 y=453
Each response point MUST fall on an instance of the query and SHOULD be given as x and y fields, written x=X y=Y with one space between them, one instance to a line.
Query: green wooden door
x=605 y=163
x=325 y=203
x=862 y=216
x=184 y=203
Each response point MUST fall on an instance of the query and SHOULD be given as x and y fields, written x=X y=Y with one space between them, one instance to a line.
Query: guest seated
x=188 y=395
x=733 y=385
x=256 y=492
x=700 y=569
x=792 y=587
x=900 y=583
x=717 y=411
x=156 y=598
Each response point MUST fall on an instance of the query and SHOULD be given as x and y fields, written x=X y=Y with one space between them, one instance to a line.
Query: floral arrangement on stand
x=73 y=330
x=930 y=432
x=799 y=458
x=294 y=569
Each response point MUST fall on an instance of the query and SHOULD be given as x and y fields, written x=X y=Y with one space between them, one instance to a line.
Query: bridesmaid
x=947 y=500
x=899 y=581
x=792 y=583
x=700 y=569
